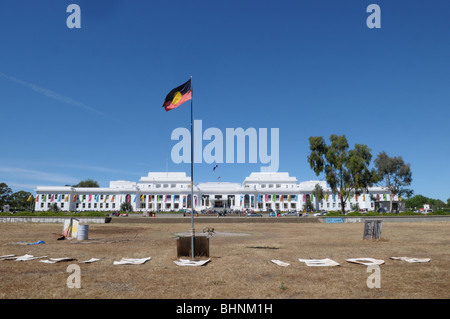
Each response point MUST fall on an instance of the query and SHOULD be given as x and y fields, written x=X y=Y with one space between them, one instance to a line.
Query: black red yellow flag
x=178 y=96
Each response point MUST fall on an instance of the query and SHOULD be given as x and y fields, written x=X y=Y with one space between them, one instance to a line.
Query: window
x=106 y=205
x=62 y=205
x=113 y=205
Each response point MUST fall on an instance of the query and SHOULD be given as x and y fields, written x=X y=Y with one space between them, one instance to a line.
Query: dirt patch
x=215 y=234
x=235 y=270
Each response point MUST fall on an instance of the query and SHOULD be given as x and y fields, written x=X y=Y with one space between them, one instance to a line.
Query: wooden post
x=372 y=229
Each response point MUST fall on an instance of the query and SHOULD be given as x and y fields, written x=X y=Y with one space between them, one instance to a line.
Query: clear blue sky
x=86 y=103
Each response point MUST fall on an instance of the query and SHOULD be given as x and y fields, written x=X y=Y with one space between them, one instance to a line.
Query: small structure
x=372 y=229
x=70 y=228
x=201 y=244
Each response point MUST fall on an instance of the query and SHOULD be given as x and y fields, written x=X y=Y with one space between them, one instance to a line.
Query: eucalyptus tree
x=346 y=170
x=394 y=175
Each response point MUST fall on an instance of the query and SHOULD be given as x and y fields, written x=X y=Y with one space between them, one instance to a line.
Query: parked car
x=321 y=213
x=292 y=213
x=272 y=214
x=187 y=212
x=254 y=215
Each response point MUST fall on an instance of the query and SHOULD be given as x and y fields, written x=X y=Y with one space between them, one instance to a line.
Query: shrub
x=439 y=212
x=334 y=213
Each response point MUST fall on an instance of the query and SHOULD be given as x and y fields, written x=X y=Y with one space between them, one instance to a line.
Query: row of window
x=163 y=185
x=84 y=205
x=348 y=204
x=176 y=205
x=269 y=186
x=143 y=198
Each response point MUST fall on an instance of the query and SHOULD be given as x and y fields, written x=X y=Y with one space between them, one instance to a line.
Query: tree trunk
x=390 y=201
x=342 y=206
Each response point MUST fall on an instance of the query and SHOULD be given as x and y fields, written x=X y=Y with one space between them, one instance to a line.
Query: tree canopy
x=394 y=175
x=20 y=201
x=87 y=183
x=318 y=192
x=5 y=194
x=346 y=170
x=418 y=201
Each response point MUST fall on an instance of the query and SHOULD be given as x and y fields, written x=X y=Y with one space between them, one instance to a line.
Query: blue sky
x=86 y=103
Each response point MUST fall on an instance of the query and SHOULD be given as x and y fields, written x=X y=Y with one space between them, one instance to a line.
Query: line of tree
x=348 y=172
x=418 y=201
x=17 y=201
x=24 y=201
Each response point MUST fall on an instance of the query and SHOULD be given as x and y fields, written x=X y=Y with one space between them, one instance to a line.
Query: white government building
x=171 y=191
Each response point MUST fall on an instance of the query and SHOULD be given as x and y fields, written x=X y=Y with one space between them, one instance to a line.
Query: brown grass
x=240 y=266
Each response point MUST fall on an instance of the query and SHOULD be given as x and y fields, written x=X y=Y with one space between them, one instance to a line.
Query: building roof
x=178 y=178
x=165 y=177
x=270 y=177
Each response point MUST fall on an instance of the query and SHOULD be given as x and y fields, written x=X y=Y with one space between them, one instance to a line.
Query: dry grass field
x=240 y=266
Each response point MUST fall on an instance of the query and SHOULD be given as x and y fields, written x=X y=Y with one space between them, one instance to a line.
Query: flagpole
x=192 y=174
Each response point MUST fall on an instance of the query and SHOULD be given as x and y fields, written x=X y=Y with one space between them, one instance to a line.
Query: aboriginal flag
x=178 y=96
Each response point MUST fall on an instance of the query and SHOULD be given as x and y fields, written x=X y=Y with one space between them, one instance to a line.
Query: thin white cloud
x=98 y=169
x=27 y=174
x=53 y=95
x=22 y=186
